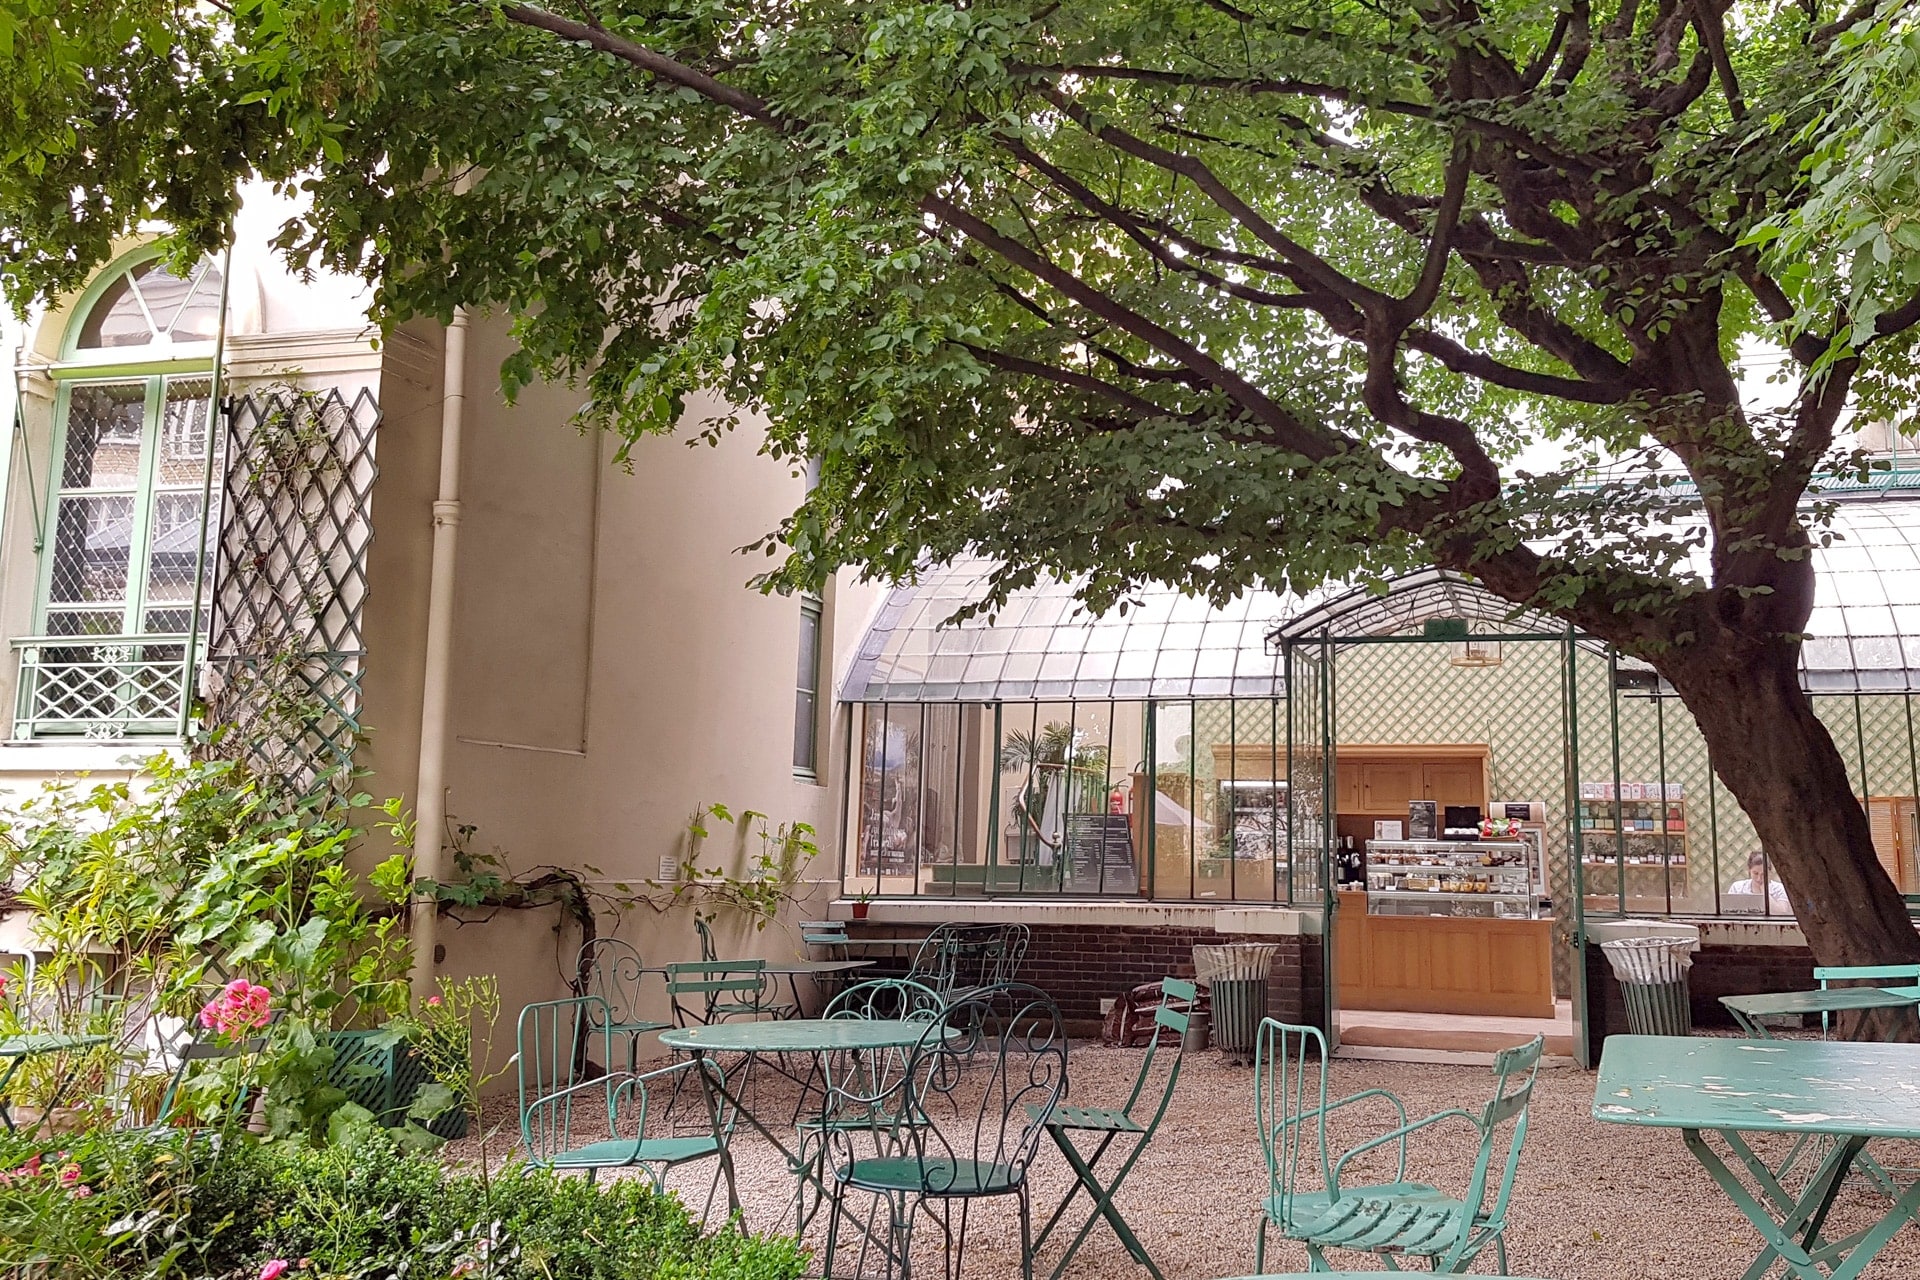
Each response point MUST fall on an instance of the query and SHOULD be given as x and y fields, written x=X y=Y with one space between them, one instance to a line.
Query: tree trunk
x=1779 y=761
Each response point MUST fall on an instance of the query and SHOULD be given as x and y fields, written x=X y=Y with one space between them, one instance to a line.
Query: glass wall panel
x=1177 y=828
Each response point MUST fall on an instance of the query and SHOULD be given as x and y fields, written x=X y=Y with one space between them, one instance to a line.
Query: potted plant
x=862 y=903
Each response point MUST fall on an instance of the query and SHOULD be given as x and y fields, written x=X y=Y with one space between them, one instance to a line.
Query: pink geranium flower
x=240 y=1007
x=274 y=1269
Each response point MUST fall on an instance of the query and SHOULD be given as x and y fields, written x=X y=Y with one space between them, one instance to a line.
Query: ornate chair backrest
x=707 y=950
x=960 y=957
x=556 y=1040
x=899 y=999
x=1289 y=1107
x=612 y=970
x=984 y=1078
x=933 y=960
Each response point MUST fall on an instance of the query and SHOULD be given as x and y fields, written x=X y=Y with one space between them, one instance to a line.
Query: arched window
x=124 y=560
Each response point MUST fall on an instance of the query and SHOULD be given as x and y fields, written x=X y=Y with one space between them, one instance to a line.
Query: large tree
x=1223 y=293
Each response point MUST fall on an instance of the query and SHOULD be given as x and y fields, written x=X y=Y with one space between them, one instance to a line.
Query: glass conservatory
x=1255 y=753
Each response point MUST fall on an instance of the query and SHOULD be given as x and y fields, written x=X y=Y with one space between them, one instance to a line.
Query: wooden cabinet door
x=1346 y=786
x=1387 y=785
x=1454 y=782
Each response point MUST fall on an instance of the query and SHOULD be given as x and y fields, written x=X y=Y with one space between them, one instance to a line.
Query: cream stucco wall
x=612 y=671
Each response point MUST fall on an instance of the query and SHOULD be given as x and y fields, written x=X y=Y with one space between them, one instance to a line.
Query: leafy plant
x=149 y=894
x=159 y=1206
x=452 y=1033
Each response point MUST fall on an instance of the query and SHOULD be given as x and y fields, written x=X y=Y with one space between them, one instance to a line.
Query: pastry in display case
x=1498 y=879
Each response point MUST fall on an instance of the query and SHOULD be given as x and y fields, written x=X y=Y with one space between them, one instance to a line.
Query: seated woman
x=1759 y=882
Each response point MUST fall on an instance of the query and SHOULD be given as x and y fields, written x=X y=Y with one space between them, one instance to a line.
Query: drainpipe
x=431 y=788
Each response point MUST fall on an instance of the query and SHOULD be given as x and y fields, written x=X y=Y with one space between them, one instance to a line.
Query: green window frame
x=124 y=565
x=806 y=700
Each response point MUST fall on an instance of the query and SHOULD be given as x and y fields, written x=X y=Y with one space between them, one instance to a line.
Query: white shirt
x=1775 y=890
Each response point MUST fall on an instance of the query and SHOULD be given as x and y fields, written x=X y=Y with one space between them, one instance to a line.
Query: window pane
x=84 y=622
x=150 y=301
x=91 y=545
x=104 y=426
x=807 y=692
x=803 y=731
x=184 y=433
x=173 y=553
x=809 y=675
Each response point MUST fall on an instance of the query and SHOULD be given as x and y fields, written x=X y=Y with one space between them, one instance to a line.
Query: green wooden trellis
x=286 y=649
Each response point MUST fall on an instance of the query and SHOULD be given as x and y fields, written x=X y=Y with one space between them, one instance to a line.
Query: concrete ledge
x=1264 y=921
x=1713 y=931
x=48 y=759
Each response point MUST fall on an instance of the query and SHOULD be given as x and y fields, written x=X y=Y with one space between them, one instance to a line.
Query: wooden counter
x=1442 y=964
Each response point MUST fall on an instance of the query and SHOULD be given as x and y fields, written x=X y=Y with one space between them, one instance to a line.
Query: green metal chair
x=958 y=959
x=996 y=1063
x=613 y=970
x=709 y=991
x=1895 y=977
x=763 y=1003
x=856 y=1088
x=574 y=1119
x=1177 y=998
x=1395 y=1219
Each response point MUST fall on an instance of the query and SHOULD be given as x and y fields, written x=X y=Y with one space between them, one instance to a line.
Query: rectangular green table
x=1851 y=1093
x=1748 y=1010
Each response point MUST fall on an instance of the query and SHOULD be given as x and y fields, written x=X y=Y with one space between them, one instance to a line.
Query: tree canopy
x=1196 y=292
x=1216 y=292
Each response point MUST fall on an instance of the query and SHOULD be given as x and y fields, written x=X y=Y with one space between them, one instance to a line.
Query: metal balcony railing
x=100 y=686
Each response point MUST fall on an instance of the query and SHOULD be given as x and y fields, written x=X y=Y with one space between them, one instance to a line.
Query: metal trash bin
x=1236 y=975
x=1653 y=982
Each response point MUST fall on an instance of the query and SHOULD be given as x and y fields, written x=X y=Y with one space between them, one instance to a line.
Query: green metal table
x=1748 y=1010
x=815 y=1037
x=1849 y=1092
x=16 y=1050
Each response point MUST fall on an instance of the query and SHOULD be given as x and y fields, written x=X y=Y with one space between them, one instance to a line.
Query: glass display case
x=1491 y=879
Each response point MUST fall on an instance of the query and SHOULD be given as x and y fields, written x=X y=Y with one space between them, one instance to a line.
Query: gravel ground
x=1592 y=1201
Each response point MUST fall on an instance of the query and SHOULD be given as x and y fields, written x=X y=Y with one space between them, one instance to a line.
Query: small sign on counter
x=1388 y=829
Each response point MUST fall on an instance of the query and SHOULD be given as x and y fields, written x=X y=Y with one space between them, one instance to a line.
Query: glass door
x=1309 y=678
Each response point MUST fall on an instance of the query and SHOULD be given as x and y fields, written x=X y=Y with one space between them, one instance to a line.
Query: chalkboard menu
x=1100 y=853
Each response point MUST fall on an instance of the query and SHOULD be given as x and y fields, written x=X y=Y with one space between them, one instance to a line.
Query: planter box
x=383 y=1078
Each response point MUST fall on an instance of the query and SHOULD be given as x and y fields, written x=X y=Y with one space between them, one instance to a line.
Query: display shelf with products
x=1636 y=827
x=1497 y=879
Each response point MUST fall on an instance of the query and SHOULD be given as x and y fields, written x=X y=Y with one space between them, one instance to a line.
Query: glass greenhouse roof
x=1864 y=633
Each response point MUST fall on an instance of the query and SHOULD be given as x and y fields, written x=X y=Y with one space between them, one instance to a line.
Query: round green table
x=814 y=1037
x=1329 y=1275
x=797 y=1035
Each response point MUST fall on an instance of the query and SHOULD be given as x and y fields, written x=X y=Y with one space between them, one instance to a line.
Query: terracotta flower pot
x=860 y=910
x=28 y=1119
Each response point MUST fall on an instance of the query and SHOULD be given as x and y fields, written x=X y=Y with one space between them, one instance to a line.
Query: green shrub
x=350 y=1210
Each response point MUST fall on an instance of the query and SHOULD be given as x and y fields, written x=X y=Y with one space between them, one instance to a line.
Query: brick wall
x=1079 y=965
x=1717 y=971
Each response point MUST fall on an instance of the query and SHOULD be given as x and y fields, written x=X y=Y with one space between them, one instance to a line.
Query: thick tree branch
x=1485 y=368
x=1288 y=431
x=1140 y=406
x=1318 y=273
x=655 y=64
